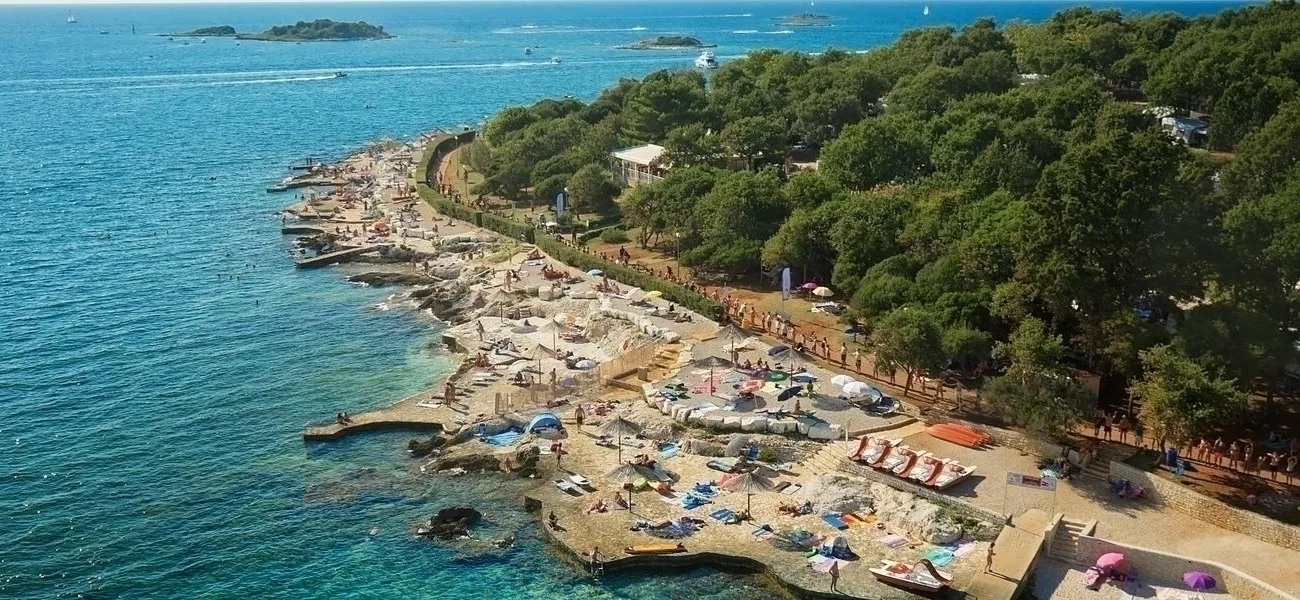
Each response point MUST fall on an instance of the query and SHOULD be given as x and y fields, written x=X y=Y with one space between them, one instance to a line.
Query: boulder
x=450 y=523
x=783 y=426
x=525 y=461
x=836 y=493
x=382 y=278
x=802 y=425
x=731 y=422
x=657 y=431
x=921 y=517
x=753 y=424
x=702 y=447
x=471 y=462
x=712 y=420
x=420 y=449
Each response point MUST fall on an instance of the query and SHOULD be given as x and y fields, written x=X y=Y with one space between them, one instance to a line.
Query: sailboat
x=926 y=12
x=71 y=19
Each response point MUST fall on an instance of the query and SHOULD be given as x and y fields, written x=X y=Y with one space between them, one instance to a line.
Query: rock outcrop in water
x=379 y=279
x=450 y=523
x=470 y=462
x=419 y=449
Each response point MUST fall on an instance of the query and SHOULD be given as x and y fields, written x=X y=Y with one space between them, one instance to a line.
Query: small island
x=805 y=20
x=320 y=30
x=668 y=42
x=214 y=31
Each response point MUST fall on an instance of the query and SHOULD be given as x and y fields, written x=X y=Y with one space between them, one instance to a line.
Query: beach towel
x=792 y=489
x=835 y=521
x=939 y=557
x=763 y=532
x=894 y=540
x=724 y=515
x=501 y=440
x=824 y=566
x=963 y=549
x=671 y=498
x=668 y=451
x=692 y=502
x=429 y=404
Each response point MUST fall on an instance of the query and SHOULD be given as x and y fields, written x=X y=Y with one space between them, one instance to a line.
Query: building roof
x=641 y=155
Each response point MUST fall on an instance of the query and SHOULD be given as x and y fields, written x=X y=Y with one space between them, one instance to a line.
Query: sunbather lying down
x=795 y=510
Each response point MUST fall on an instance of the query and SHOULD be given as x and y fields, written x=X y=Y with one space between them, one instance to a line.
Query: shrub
x=614 y=235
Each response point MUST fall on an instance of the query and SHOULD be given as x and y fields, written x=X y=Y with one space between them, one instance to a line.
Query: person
x=1124 y=426
x=577 y=416
x=554 y=520
x=1137 y=434
x=1219 y=449
x=1290 y=466
x=1249 y=461
x=835 y=575
x=1107 y=421
x=1096 y=427
x=559 y=453
x=1273 y=461
x=1234 y=455
x=988 y=560
x=449 y=392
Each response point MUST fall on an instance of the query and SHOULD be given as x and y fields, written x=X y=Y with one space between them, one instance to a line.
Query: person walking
x=835 y=575
x=988 y=560
x=1234 y=455
x=1107 y=422
x=1290 y=467
x=1273 y=461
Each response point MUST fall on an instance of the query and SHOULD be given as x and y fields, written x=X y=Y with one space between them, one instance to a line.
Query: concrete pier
x=325 y=260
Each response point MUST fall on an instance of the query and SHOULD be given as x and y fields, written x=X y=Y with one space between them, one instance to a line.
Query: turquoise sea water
x=159 y=355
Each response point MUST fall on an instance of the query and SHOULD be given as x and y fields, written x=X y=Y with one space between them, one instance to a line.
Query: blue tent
x=543 y=421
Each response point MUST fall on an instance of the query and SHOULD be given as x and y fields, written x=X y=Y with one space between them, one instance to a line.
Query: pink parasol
x=811 y=285
x=1111 y=560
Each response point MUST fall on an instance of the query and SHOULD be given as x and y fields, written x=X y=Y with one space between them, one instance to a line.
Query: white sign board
x=1032 y=481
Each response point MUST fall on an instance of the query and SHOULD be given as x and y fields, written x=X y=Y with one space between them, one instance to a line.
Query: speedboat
x=528 y=51
x=706 y=60
x=338 y=74
x=921 y=577
x=555 y=60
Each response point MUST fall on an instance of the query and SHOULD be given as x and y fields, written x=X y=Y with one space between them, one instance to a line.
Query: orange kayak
x=962 y=435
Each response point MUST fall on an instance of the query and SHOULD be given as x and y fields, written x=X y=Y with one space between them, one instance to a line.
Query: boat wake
x=746 y=31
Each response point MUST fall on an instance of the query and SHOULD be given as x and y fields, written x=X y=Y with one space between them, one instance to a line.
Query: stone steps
x=1099 y=469
x=826 y=460
x=1065 y=545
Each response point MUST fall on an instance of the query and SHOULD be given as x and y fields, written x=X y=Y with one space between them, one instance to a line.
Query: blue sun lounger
x=835 y=521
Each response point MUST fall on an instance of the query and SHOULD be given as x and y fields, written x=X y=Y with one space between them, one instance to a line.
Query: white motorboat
x=706 y=60
x=556 y=60
x=921 y=577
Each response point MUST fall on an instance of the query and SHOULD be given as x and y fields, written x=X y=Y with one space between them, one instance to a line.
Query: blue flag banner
x=785 y=283
x=559 y=204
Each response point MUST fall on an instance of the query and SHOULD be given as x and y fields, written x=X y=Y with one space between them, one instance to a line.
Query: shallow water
x=160 y=356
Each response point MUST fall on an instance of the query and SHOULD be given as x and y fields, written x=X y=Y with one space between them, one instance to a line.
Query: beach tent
x=543 y=421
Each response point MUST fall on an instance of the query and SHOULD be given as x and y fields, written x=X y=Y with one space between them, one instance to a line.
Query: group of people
x=1107 y=423
x=1245 y=457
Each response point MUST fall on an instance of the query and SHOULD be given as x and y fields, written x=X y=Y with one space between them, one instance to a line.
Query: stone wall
x=956 y=504
x=628 y=362
x=1206 y=509
x=1162 y=567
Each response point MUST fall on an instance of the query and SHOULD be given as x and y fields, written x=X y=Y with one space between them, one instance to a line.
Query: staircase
x=1065 y=545
x=664 y=361
x=827 y=460
x=1099 y=468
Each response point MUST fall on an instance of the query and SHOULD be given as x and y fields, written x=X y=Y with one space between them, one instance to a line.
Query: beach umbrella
x=857 y=388
x=733 y=334
x=517 y=368
x=841 y=380
x=751 y=386
x=823 y=292
x=523 y=329
x=778 y=349
x=789 y=393
x=1111 y=561
x=617 y=428
x=653 y=295
x=804 y=377
x=627 y=474
x=585 y=364
x=553 y=328
x=595 y=272
x=566 y=319
x=748 y=483
x=714 y=362
x=810 y=285
x=1199 y=580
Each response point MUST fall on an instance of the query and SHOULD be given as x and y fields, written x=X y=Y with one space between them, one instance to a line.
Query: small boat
x=910 y=458
x=103 y=32
x=927 y=470
x=895 y=457
x=339 y=74
x=71 y=19
x=921 y=577
x=661 y=548
x=706 y=60
x=565 y=486
x=877 y=452
x=856 y=453
x=555 y=60
x=926 y=11
x=580 y=481
x=962 y=435
x=528 y=51
x=952 y=474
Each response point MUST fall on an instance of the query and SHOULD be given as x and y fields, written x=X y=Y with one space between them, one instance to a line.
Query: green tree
x=1036 y=392
x=664 y=101
x=1180 y=400
x=882 y=150
x=691 y=145
x=910 y=339
x=967 y=346
x=506 y=122
x=754 y=137
x=592 y=189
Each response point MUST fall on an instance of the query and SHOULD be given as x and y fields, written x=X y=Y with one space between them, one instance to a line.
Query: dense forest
x=319 y=30
x=998 y=196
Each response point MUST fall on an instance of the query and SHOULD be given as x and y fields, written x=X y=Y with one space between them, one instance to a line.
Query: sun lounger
x=719 y=465
x=835 y=521
x=566 y=486
x=792 y=489
x=763 y=532
x=429 y=404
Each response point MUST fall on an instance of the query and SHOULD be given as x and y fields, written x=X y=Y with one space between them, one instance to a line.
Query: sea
x=159 y=354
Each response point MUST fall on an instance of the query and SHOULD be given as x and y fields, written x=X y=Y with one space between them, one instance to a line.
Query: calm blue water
x=152 y=406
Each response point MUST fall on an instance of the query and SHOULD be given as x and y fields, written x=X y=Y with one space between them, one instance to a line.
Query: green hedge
x=513 y=229
x=674 y=293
